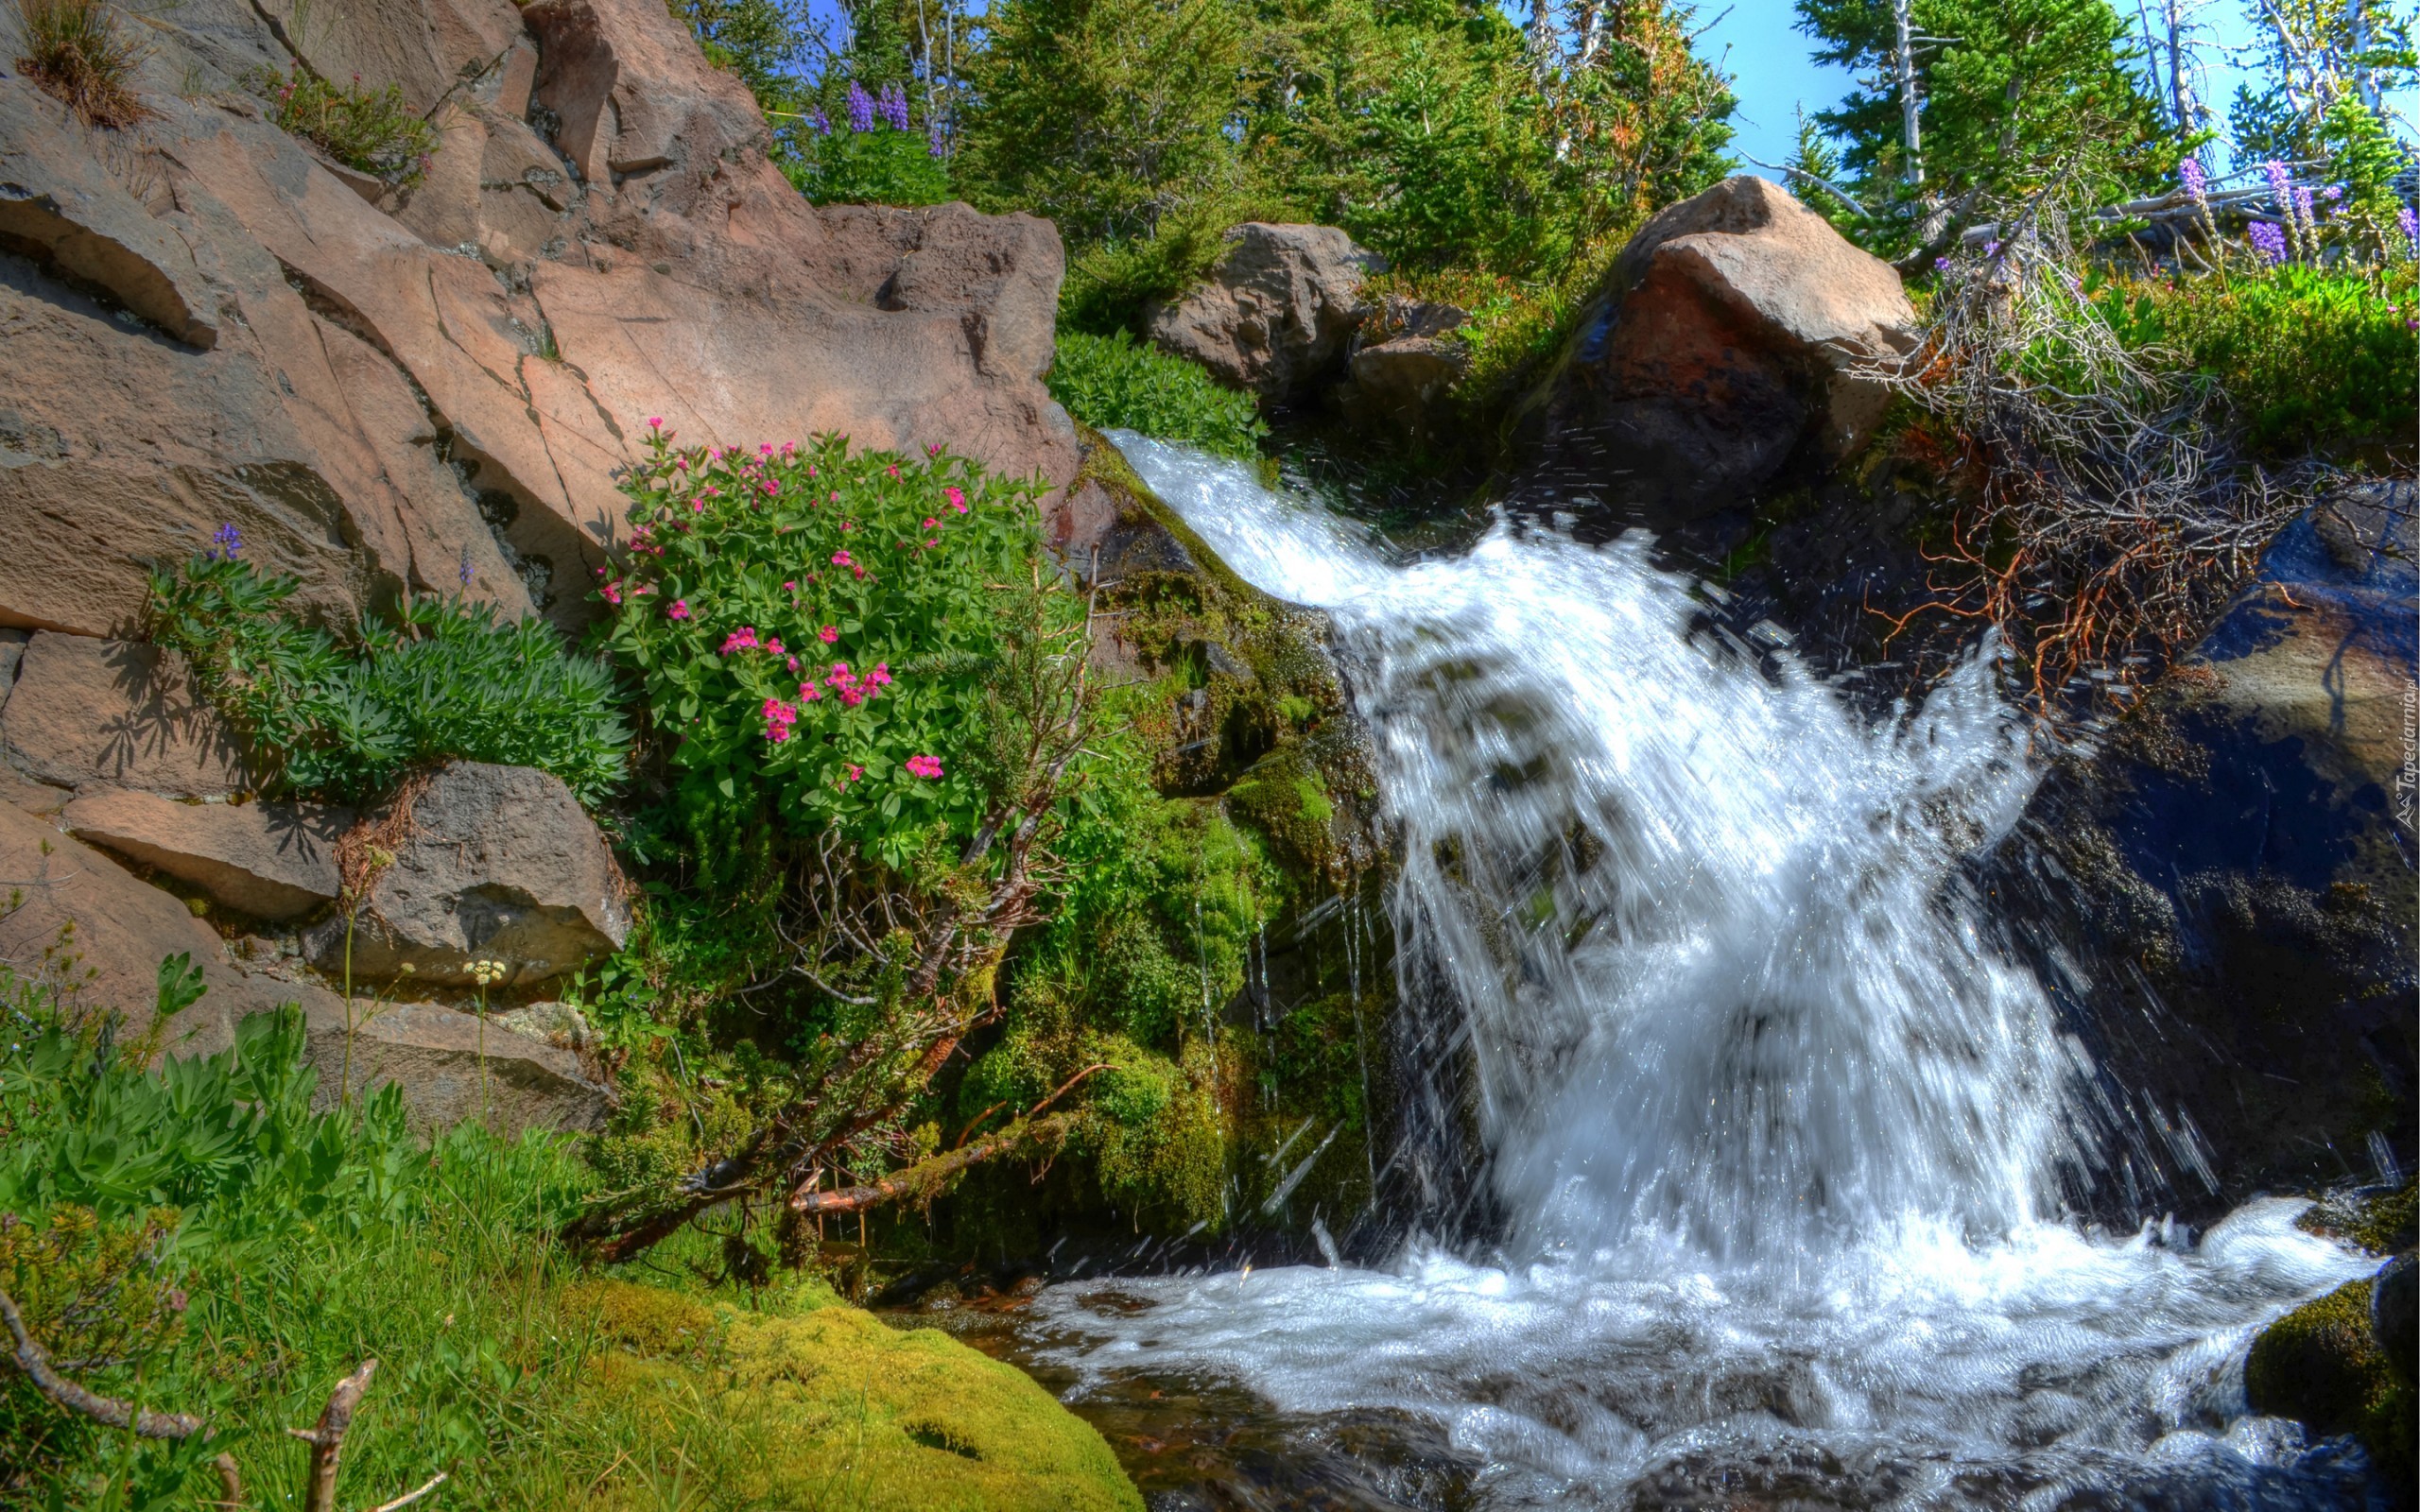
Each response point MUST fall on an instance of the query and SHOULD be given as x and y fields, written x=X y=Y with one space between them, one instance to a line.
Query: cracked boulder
x=1276 y=313
x=87 y=712
x=271 y=861
x=487 y=863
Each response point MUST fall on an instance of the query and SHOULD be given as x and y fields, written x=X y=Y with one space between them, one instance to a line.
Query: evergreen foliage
x=2016 y=93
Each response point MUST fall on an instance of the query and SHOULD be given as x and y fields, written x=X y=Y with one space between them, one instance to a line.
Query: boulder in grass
x=489 y=864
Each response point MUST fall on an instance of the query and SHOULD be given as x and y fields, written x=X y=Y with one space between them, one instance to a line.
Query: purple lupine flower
x=817 y=122
x=2304 y=209
x=1941 y=265
x=935 y=144
x=861 y=108
x=2268 y=240
x=2410 y=221
x=892 y=107
x=466 y=566
x=2332 y=192
x=2280 y=185
x=1990 y=248
x=228 y=541
x=2196 y=182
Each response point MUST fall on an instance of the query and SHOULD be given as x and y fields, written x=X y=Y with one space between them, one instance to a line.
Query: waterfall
x=1779 y=1134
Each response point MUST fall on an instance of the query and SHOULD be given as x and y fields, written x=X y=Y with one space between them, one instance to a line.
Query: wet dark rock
x=2221 y=889
x=2394 y=1313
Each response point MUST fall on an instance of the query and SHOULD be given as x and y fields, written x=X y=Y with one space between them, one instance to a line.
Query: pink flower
x=612 y=592
x=828 y=634
x=678 y=610
x=840 y=677
x=655 y=422
x=742 y=639
x=891 y=472
x=810 y=692
x=792 y=665
x=931 y=524
x=933 y=449
x=854 y=772
x=880 y=675
x=841 y=558
x=850 y=698
x=955 y=497
x=791 y=586
x=696 y=505
x=927 y=767
x=779 y=717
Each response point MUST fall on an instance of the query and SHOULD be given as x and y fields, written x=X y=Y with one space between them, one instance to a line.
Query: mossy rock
x=1246 y=694
x=811 y=1404
x=2321 y=1366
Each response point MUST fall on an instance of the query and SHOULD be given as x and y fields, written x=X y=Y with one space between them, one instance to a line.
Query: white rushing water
x=1777 y=1132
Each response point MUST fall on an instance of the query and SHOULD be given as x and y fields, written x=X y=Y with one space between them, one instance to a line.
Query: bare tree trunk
x=1903 y=58
x=2180 y=83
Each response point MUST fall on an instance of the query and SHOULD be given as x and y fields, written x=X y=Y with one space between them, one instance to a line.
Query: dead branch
x=410 y=1497
x=327 y=1439
x=109 y=1410
x=2113 y=518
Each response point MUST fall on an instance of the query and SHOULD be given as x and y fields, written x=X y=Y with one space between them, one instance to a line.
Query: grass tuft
x=79 y=52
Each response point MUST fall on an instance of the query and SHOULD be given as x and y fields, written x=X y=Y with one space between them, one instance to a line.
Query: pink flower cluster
x=779 y=717
x=744 y=639
x=956 y=498
x=852 y=689
x=924 y=766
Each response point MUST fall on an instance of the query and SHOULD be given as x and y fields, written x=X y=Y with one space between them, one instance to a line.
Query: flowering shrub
x=871 y=155
x=820 y=626
x=369 y=129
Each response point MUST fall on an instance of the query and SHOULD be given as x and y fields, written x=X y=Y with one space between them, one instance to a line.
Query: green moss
x=2321 y=1366
x=811 y=1405
x=2383 y=1227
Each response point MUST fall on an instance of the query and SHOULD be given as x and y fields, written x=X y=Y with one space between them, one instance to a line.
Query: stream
x=1780 y=1139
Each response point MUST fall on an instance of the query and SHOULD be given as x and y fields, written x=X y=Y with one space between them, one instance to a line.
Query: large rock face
x=1724 y=346
x=1278 y=311
x=2224 y=888
x=116 y=713
x=490 y=863
x=206 y=322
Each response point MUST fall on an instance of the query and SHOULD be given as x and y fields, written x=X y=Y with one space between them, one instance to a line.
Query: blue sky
x=1775 y=70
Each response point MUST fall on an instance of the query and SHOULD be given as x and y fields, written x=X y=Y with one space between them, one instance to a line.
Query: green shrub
x=1115 y=383
x=2308 y=358
x=80 y=54
x=878 y=167
x=369 y=129
x=445 y=679
x=822 y=630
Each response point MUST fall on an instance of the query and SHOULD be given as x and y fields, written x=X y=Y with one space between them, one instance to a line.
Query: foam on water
x=1779 y=1134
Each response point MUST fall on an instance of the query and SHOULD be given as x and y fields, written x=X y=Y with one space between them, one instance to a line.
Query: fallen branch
x=927 y=1176
x=109 y=1410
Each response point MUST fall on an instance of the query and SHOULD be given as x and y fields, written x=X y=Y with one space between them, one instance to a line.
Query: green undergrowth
x=369 y=129
x=346 y=717
x=1115 y=383
x=2310 y=359
x=193 y=1237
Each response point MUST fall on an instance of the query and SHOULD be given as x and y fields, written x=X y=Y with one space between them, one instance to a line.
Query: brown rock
x=449 y=1071
x=1404 y=363
x=272 y=861
x=491 y=863
x=88 y=710
x=1724 y=346
x=1277 y=312
x=83 y=923
x=59 y=206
